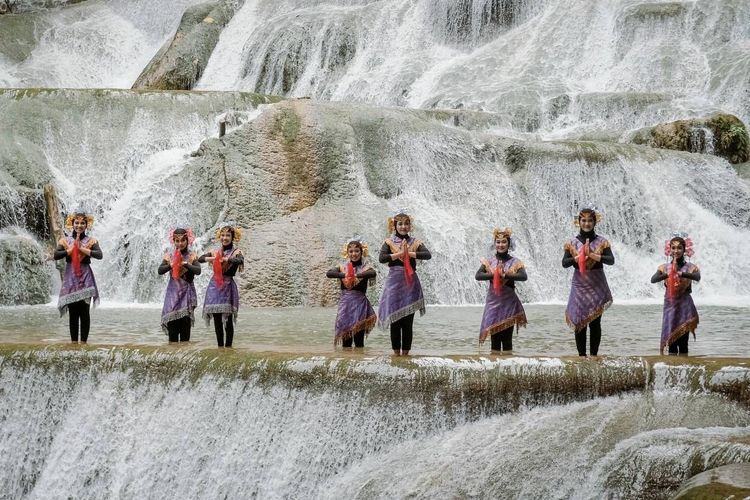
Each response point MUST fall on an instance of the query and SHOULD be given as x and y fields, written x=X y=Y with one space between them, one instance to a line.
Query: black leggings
x=595 y=327
x=402 y=333
x=79 y=311
x=358 y=339
x=503 y=340
x=219 y=329
x=179 y=329
x=680 y=346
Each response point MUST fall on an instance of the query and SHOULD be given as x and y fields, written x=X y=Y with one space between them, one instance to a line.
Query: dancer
x=222 y=297
x=502 y=309
x=680 y=316
x=78 y=286
x=589 y=292
x=402 y=293
x=180 y=300
x=355 y=317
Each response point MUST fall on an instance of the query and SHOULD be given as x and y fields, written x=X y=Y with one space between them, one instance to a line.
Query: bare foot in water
x=404 y=353
x=396 y=353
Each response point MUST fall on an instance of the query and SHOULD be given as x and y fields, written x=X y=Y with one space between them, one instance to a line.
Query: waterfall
x=123 y=423
x=635 y=62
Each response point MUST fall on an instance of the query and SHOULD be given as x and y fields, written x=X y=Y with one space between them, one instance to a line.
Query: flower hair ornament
x=399 y=214
x=236 y=231
x=365 y=248
x=78 y=213
x=689 y=251
x=182 y=230
x=588 y=207
x=506 y=232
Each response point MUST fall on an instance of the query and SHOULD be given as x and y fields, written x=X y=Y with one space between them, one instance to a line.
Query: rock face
x=721 y=134
x=16 y=6
x=728 y=481
x=179 y=64
x=26 y=274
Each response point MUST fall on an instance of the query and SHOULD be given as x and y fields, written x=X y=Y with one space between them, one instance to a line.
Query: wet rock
x=26 y=274
x=721 y=134
x=179 y=64
x=728 y=481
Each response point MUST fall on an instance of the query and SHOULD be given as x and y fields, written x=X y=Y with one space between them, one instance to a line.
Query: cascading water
x=125 y=424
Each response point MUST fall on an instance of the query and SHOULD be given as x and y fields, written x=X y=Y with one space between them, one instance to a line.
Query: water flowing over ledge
x=136 y=421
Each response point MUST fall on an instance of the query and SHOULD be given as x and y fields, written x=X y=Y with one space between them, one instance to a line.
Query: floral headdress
x=506 y=232
x=76 y=214
x=236 y=231
x=365 y=248
x=392 y=220
x=588 y=207
x=689 y=251
x=187 y=230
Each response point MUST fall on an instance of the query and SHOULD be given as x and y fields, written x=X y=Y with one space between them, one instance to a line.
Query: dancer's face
x=354 y=253
x=225 y=236
x=502 y=244
x=180 y=241
x=676 y=250
x=403 y=226
x=80 y=224
x=587 y=222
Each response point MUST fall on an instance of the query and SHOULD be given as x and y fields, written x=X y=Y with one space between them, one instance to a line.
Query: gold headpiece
x=592 y=208
x=365 y=248
x=73 y=216
x=506 y=232
x=237 y=232
x=392 y=221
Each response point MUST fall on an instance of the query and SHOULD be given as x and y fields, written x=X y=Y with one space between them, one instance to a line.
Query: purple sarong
x=589 y=293
x=179 y=302
x=354 y=315
x=680 y=315
x=223 y=300
x=75 y=288
x=504 y=310
x=398 y=299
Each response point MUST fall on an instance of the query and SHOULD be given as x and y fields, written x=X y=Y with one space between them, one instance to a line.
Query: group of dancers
x=402 y=295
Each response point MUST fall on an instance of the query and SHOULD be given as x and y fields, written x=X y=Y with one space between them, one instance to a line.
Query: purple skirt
x=399 y=300
x=179 y=302
x=75 y=288
x=223 y=300
x=589 y=298
x=680 y=317
x=354 y=315
x=501 y=312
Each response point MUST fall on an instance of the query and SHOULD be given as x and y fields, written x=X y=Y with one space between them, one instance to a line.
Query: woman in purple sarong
x=78 y=286
x=402 y=293
x=589 y=292
x=680 y=316
x=502 y=309
x=355 y=317
x=222 y=301
x=180 y=300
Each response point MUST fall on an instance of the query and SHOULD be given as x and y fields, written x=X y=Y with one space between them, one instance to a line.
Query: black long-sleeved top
x=96 y=252
x=511 y=278
x=235 y=261
x=660 y=276
x=608 y=257
x=385 y=255
x=363 y=276
x=192 y=270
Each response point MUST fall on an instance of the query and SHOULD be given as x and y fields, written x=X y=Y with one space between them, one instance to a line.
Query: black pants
x=358 y=339
x=503 y=340
x=79 y=312
x=680 y=346
x=402 y=333
x=179 y=329
x=595 y=327
x=219 y=328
